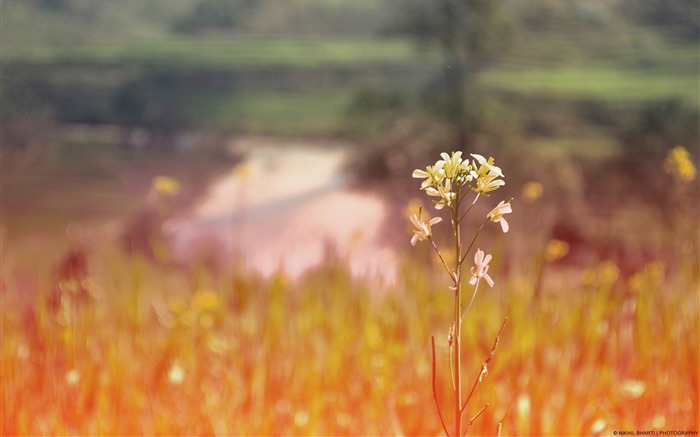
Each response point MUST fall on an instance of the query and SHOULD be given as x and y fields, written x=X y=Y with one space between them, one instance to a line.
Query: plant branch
x=444 y=264
x=484 y=366
x=468 y=209
x=437 y=403
x=476 y=287
x=472 y=242
x=471 y=421
x=452 y=370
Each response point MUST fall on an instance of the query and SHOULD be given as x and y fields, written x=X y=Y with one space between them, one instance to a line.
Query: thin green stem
x=452 y=370
x=471 y=244
x=457 y=316
x=437 y=403
x=470 y=207
x=441 y=258
x=476 y=287
x=465 y=194
x=484 y=366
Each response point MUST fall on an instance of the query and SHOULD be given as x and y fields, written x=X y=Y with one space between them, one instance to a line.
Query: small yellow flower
x=532 y=191
x=651 y=275
x=609 y=272
x=556 y=249
x=680 y=164
x=177 y=305
x=496 y=215
x=205 y=300
x=166 y=185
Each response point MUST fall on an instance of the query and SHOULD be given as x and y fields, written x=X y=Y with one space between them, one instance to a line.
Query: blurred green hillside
x=301 y=66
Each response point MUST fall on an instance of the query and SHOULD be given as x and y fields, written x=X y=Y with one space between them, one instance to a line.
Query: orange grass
x=154 y=351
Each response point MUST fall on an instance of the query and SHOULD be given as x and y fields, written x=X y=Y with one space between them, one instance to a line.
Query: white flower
x=444 y=192
x=423 y=229
x=451 y=164
x=433 y=175
x=488 y=183
x=486 y=174
x=496 y=214
x=481 y=268
x=486 y=166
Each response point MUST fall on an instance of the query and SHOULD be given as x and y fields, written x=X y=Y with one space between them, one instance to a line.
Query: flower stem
x=437 y=403
x=476 y=287
x=456 y=362
x=471 y=244
x=449 y=272
x=468 y=209
x=486 y=363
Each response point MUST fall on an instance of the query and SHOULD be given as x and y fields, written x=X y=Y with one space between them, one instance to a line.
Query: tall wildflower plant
x=451 y=181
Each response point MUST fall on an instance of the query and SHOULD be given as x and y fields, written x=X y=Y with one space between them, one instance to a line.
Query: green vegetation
x=607 y=84
x=254 y=71
x=213 y=54
x=290 y=113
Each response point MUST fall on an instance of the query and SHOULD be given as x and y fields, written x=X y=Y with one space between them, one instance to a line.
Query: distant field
x=599 y=83
x=291 y=113
x=231 y=53
x=297 y=85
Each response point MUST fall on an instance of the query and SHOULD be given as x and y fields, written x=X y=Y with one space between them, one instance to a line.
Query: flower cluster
x=448 y=179
x=445 y=179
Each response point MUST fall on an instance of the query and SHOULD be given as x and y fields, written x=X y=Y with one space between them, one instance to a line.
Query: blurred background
x=204 y=214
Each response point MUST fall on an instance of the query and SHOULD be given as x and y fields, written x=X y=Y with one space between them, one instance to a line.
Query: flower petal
x=479 y=257
x=434 y=220
x=479 y=158
x=420 y=174
x=504 y=225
